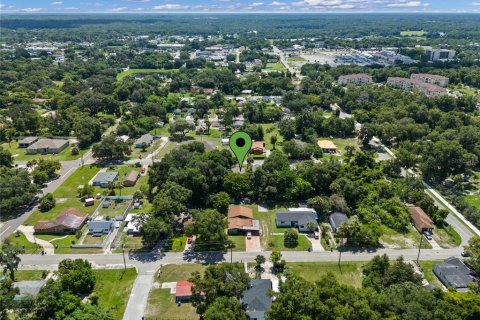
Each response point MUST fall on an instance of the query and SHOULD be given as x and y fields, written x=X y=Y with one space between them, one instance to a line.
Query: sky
x=236 y=6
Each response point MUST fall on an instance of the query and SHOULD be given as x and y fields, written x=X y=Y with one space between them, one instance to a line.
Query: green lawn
x=137 y=153
x=427 y=267
x=20 y=239
x=57 y=210
x=418 y=33
x=275 y=67
x=29 y=275
x=349 y=273
x=409 y=240
x=129 y=72
x=341 y=144
x=271 y=129
x=446 y=237
x=81 y=176
x=177 y=272
x=113 y=289
x=296 y=59
x=88 y=239
x=19 y=153
x=278 y=244
x=161 y=305
x=473 y=200
x=115 y=208
x=176 y=243
x=239 y=242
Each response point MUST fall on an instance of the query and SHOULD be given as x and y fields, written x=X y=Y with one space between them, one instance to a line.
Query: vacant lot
x=408 y=240
x=175 y=272
x=349 y=273
x=113 y=289
x=161 y=305
x=275 y=67
x=81 y=176
x=412 y=33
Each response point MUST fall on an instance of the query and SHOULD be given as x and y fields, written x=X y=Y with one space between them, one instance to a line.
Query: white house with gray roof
x=454 y=273
x=296 y=219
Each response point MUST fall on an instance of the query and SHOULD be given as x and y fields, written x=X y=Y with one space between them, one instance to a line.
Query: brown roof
x=239 y=216
x=258 y=145
x=70 y=218
x=326 y=144
x=420 y=218
x=131 y=176
x=431 y=76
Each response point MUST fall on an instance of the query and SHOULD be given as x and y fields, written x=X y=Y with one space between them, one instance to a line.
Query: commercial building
x=47 y=146
x=70 y=221
x=356 y=79
x=439 y=54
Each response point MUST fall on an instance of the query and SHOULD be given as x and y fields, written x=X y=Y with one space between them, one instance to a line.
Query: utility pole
x=124 y=262
x=419 y=247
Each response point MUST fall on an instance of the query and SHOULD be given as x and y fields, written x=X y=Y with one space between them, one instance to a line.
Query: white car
x=249 y=235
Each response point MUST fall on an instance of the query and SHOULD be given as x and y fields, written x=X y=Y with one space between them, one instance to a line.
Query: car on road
x=249 y=235
x=190 y=240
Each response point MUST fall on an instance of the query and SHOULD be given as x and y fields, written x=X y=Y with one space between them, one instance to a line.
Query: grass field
x=129 y=72
x=161 y=305
x=278 y=244
x=473 y=200
x=427 y=267
x=177 y=272
x=446 y=237
x=349 y=273
x=81 y=176
x=29 y=275
x=296 y=59
x=341 y=144
x=409 y=240
x=19 y=153
x=113 y=289
x=176 y=243
x=57 y=210
x=21 y=240
x=413 y=33
x=239 y=242
x=275 y=67
x=116 y=208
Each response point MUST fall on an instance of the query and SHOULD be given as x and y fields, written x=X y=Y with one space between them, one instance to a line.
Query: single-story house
x=237 y=124
x=47 y=146
x=258 y=147
x=191 y=111
x=69 y=221
x=103 y=179
x=27 y=141
x=225 y=141
x=247 y=92
x=100 y=227
x=177 y=112
x=256 y=299
x=266 y=99
x=146 y=138
x=132 y=225
x=123 y=138
x=28 y=289
x=296 y=219
x=183 y=291
x=208 y=91
x=454 y=273
x=337 y=219
x=131 y=178
x=420 y=220
x=240 y=220
x=327 y=146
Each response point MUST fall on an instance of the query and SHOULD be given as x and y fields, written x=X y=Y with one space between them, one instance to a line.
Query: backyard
x=115 y=208
x=81 y=176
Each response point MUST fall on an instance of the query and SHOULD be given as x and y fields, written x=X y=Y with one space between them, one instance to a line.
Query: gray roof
x=147 y=138
x=337 y=219
x=455 y=272
x=301 y=217
x=255 y=298
x=28 y=140
x=99 y=225
x=105 y=177
x=29 y=287
x=48 y=144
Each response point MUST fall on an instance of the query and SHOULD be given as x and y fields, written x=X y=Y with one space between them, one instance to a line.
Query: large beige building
x=430 y=78
x=356 y=79
x=430 y=90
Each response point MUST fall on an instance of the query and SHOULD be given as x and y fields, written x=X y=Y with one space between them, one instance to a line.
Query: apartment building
x=356 y=79
x=430 y=78
x=430 y=90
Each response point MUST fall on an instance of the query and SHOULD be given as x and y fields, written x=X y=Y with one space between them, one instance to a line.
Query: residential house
x=183 y=292
x=296 y=219
x=208 y=91
x=28 y=289
x=191 y=111
x=27 y=141
x=247 y=92
x=47 y=146
x=131 y=178
x=327 y=146
x=240 y=220
x=100 y=227
x=123 y=138
x=258 y=147
x=420 y=219
x=337 y=219
x=103 y=179
x=356 y=79
x=132 y=225
x=454 y=273
x=146 y=139
x=237 y=124
x=266 y=99
x=177 y=112
x=69 y=221
x=256 y=299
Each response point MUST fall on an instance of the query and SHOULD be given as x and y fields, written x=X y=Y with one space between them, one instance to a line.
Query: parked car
x=465 y=254
x=143 y=170
x=316 y=235
x=249 y=235
x=427 y=235
x=190 y=240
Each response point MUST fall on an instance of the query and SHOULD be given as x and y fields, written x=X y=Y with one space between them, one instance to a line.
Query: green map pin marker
x=240 y=143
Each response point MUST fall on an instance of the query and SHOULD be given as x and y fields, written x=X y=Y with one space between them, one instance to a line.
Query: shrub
x=47 y=202
x=290 y=238
x=75 y=151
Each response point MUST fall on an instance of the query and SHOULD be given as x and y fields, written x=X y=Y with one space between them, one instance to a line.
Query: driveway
x=316 y=245
x=253 y=244
x=28 y=232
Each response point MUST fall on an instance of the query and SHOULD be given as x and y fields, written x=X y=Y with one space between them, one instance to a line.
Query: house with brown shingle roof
x=420 y=220
x=258 y=147
x=240 y=220
x=70 y=221
x=327 y=146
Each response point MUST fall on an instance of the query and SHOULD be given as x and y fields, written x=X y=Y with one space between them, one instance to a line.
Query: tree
x=259 y=260
x=7 y=294
x=153 y=230
x=225 y=308
x=275 y=258
x=180 y=128
x=9 y=259
x=76 y=276
x=111 y=148
x=290 y=238
x=209 y=227
x=16 y=190
x=273 y=141
x=220 y=202
x=47 y=202
x=473 y=249
x=237 y=184
x=311 y=227
x=321 y=204
x=87 y=190
x=45 y=170
x=6 y=159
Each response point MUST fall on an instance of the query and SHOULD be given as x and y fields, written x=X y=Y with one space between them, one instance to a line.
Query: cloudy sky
x=163 y=6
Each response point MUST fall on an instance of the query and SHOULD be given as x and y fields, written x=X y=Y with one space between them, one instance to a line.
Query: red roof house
x=183 y=291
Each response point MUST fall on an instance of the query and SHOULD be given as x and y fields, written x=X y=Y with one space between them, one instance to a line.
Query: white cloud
x=119 y=9
x=278 y=3
x=170 y=6
x=57 y=2
x=31 y=9
x=257 y=4
x=475 y=4
x=2 y=6
x=408 y=4
x=142 y=1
